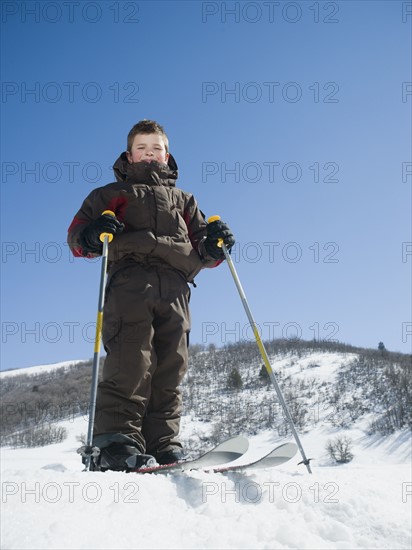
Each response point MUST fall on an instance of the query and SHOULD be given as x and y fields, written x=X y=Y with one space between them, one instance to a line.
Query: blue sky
x=292 y=120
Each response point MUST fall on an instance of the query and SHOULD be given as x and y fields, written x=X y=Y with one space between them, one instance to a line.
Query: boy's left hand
x=215 y=231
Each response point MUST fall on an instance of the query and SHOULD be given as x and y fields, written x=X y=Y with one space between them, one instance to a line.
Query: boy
x=161 y=242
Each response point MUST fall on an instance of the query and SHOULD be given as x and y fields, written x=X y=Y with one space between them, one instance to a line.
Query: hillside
x=226 y=391
x=332 y=390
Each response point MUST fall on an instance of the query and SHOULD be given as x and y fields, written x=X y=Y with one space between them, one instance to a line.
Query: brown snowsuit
x=146 y=319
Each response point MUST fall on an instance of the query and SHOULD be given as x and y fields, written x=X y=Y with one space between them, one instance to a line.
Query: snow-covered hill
x=39 y=369
x=48 y=502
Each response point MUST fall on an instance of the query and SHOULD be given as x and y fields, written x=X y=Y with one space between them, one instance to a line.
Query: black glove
x=218 y=230
x=90 y=236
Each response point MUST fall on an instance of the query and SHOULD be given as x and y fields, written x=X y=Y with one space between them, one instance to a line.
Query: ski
x=225 y=452
x=277 y=456
x=220 y=459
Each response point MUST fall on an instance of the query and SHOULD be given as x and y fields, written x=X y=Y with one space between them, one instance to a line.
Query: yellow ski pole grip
x=108 y=235
x=215 y=219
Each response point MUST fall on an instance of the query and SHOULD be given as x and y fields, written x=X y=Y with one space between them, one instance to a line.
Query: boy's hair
x=147 y=127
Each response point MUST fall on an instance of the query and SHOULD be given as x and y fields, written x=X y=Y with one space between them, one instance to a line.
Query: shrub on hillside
x=340 y=449
x=37 y=436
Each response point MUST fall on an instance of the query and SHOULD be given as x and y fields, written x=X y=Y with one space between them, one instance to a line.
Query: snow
x=49 y=502
x=323 y=365
x=40 y=369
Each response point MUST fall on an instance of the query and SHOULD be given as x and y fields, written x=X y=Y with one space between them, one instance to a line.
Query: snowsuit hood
x=164 y=226
x=146 y=172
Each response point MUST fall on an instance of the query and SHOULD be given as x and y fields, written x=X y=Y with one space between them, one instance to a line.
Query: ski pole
x=89 y=451
x=262 y=349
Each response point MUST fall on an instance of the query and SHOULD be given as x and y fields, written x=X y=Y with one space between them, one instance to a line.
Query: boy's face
x=148 y=147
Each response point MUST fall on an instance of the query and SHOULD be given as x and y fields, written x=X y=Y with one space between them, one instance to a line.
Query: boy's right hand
x=90 y=236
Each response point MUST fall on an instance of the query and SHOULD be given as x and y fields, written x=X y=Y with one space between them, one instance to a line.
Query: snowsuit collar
x=151 y=173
